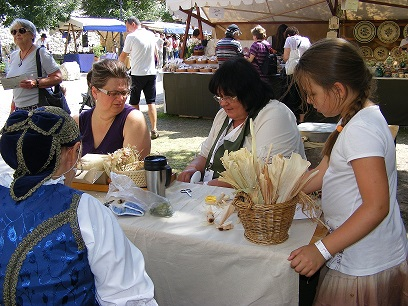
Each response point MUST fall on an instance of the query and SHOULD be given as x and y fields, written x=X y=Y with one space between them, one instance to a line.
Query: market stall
x=108 y=29
x=376 y=26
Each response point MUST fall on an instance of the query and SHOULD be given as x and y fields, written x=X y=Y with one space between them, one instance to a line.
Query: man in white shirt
x=141 y=45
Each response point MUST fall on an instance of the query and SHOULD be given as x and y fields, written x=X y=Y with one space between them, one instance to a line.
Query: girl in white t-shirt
x=366 y=249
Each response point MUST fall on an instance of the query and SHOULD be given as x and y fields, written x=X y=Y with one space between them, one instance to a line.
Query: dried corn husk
x=124 y=159
x=276 y=182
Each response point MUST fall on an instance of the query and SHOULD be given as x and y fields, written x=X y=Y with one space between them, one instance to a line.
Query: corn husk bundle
x=277 y=181
x=124 y=159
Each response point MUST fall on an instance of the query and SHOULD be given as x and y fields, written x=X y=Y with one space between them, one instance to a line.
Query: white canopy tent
x=279 y=11
x=75 y=26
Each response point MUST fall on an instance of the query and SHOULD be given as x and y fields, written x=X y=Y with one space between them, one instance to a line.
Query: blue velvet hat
x=31 y=144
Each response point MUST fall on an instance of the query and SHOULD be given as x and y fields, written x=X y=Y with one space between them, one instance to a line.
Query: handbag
x=49 y=96
x=270 y=65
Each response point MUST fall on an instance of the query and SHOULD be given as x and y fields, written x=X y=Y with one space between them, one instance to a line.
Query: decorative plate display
x=396 y=53
x=405 y=31
x=366 y=51
x=388 y=32
x=364 y=31
x=380 y=53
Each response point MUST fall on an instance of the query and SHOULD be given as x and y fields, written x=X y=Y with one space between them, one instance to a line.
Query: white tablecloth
x=193 y=263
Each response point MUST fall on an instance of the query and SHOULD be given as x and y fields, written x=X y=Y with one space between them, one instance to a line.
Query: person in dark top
x=111 y=124
x=278 y=40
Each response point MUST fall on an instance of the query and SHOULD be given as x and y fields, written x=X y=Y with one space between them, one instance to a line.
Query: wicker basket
x=265 y=223
x=137 y=176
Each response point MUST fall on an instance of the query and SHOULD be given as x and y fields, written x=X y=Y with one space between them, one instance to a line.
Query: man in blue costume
x=59 y=245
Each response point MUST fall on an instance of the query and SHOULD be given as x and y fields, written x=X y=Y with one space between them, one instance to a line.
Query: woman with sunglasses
x=23 y=63
x=242 y=96
x=112 y=124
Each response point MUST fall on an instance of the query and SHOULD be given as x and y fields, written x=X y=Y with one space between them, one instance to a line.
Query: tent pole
x=183 y=51
x=200 y=25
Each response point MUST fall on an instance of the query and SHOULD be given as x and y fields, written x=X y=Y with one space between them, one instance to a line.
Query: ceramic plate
x=366 y=51
x=396 y=53
x=364 y=31
x=388 y=32
x=380 y=53
x=405 y=31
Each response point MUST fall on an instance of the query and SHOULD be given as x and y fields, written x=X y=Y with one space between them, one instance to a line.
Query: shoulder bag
x=270 y=64
x=293 y=60
x=49 y=96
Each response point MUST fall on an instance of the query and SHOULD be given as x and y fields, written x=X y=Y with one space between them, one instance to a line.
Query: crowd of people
x=363 y=259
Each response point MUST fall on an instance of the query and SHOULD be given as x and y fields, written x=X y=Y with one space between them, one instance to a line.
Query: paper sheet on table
x=13 y=82
x=91 y=176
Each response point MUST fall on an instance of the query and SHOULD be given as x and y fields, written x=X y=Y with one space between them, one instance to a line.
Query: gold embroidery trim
x=32 y=239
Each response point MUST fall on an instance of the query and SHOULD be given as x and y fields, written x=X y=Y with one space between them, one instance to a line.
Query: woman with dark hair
x=278 y=40
x=365 y=253
x=242 y=95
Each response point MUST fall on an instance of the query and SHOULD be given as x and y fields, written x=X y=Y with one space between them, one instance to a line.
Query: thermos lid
x=155 y=162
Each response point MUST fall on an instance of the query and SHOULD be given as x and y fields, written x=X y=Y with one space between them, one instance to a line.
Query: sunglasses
x=20 y=30
x=114 y=93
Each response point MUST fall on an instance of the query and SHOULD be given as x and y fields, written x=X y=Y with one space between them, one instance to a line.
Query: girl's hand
x=306 y=260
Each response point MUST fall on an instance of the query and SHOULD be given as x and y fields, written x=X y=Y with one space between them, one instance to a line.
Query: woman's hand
x=185 y=175
x=28 y=84
x=306 y=260
x=197 y=164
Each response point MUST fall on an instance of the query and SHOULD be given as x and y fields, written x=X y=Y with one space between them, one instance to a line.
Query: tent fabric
x=95 y=24
x=166 y=27
x=258 y=11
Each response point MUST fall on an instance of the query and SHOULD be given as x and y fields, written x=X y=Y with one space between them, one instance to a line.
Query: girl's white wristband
x=322 y=249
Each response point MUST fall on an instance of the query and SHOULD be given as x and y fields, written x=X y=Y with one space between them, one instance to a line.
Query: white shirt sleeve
x=118 y=266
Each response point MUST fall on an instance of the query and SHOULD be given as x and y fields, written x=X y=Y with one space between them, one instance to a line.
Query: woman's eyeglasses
x=115 y=93
x=20 y=30
x=225 y=98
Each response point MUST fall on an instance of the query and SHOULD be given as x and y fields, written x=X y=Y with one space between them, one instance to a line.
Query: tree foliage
x=45 y=14
x=154 y=10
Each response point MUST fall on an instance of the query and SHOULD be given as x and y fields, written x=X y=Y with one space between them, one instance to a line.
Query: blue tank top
x=113 y=139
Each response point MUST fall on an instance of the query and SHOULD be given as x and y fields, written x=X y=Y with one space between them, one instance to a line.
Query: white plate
x=388 y=32
x=366 y=51
x=381 y=53
x=364 y=31
x=405 y=31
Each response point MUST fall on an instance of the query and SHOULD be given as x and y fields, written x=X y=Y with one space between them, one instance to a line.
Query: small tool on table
x=188 y=191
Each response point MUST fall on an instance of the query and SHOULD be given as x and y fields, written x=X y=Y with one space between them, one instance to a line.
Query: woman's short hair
x=291 y=31
x=104 y=70
x=27 y=24
x=259 y=32
x=238 y=77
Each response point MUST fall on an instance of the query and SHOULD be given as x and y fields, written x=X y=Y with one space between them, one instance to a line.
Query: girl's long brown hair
x=335 y=60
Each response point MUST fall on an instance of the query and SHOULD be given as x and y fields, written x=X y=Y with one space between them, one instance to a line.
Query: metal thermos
x=158 y=174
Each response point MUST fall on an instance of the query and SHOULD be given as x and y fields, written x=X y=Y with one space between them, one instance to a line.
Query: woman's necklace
x=22 y=58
